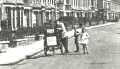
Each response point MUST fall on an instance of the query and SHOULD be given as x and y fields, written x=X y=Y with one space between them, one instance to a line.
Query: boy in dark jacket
x=76 y=35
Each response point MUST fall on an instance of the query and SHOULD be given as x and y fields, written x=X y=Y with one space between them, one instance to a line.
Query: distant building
x=110 y=8
x=115 y=9
x=77 y=7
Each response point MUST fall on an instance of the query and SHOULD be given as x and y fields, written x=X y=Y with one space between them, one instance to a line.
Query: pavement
x=19 y=53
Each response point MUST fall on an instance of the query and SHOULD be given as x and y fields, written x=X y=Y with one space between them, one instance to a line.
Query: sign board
x=50 y=30
x=51 y=40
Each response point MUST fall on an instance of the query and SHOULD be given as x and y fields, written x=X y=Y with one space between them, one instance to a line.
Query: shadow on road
x=15 y=63
x=56 y=55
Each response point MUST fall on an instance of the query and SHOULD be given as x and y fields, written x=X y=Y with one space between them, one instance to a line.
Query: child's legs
x=84 y=47
x=77 y=46
x=65 y=44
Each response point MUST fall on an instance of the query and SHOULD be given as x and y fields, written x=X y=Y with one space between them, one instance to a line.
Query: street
x=104 y=53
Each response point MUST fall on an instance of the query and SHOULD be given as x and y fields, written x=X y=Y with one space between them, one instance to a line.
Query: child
x=84 y=40
x=76 y=36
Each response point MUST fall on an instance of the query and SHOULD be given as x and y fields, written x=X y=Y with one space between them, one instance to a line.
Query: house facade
x=16 y=14
x=110 y=8
x=11 y=14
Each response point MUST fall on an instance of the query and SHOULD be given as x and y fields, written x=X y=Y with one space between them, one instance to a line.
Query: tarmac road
x=104 y=53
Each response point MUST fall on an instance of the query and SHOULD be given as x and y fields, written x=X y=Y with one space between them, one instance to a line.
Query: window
x=25 y=1
x=67 y=1
x=68 y=14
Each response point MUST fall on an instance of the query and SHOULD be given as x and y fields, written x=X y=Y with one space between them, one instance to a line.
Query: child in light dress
x=84 y=40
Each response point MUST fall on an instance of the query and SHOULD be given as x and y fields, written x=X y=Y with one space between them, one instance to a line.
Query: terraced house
x=16 y=14
x=11 y=14
x=37 y=12
x=115 y=10
x=110 y=9
x=77 y=7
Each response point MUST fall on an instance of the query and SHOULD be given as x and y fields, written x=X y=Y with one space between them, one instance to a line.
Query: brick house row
x=17 y=14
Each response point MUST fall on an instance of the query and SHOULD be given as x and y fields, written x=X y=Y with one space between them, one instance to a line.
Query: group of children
x=81 y=38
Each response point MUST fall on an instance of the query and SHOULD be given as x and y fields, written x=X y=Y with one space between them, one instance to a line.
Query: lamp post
x=55 y=3
x=54 y=19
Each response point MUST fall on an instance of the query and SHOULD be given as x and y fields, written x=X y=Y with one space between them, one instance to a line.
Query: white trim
x=48 y=10
x=9 y=5
x=67 y=11
x=36 y=10
x=19 y=6
x=27 y=7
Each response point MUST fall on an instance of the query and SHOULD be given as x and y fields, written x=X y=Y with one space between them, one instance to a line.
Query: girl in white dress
x=84 y=40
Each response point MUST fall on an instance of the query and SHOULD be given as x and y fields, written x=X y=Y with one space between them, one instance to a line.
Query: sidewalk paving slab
x=14 y=55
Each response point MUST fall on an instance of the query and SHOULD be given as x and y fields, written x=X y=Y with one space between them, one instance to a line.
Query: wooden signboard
x=51 y=41
x=50 y=31
x=50 y=35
